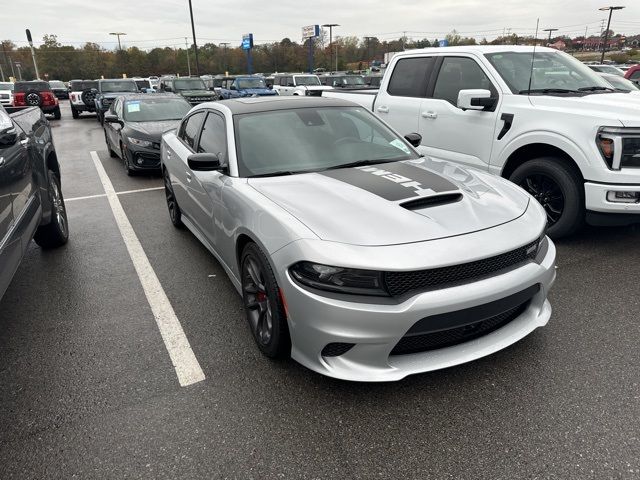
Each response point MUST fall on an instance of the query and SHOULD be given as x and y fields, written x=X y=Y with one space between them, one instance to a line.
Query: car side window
x=635 y=75
x=282 y=81
x=290 y=82
x=410 y=77
x=213 y=138
x=460 y=73
x=190 y=128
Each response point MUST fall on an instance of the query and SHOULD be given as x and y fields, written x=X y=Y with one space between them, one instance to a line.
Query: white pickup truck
x=298 y=84
x=556 y=128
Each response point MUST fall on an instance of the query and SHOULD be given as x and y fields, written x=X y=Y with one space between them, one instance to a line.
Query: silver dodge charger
x=354 y=254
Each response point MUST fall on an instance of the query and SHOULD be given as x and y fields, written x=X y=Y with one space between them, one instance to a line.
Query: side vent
x=432 y=201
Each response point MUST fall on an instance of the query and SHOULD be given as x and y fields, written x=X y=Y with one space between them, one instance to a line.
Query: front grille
x=200 y=99
x=454 y=336
x=148 y=159
x=4 y=95
x=400 y=283
x=631 y=152
x=336 y=349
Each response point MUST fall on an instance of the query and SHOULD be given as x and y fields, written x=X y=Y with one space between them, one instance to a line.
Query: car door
x=400 y=103
x=14 y=164
x=205 y=188
x=113 y=129
x=453 y=134
x=179 y=170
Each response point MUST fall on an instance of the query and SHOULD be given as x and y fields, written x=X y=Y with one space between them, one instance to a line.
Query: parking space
x=88 y=389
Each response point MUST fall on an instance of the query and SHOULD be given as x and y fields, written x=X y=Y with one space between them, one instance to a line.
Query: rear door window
x=213 y=138
x=410 y=77
x=190 y=128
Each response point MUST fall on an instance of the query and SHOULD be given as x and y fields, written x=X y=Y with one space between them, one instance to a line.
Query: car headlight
x=619 y=146
x=138 y=142
x=339 y=279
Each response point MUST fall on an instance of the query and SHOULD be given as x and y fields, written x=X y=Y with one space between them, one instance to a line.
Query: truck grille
x=400 y=283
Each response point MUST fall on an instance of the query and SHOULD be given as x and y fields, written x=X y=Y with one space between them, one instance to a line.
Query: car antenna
x=533 y=57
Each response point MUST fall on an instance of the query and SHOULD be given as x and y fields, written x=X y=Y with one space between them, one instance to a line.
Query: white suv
x=82 y=94
x=6 y=94
x=298 y=84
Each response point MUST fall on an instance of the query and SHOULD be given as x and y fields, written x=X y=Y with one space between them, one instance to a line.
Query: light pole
x=330 y=26
x=195 y=45
x=186 y=44
x=117 y=34
x=606 y=33
x=550 y=30
x=33 y=55
x=224 y=46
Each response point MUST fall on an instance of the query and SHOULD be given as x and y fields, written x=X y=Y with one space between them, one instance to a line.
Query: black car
x=31 y=202
x=134 y=124
x=59 y=89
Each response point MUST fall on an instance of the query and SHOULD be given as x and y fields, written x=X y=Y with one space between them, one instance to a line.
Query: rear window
x=117 y=86
x=37 y=86
x=143 y=83
x=57 y=84
x=80 y=85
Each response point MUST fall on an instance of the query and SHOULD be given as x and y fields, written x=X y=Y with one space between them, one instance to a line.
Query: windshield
x=351 y=80
x=57 y=84
x=621 y=83
x=110 y=86
x=143 y=83
x=188 y=84
x=305 y=139
x=308 y=80
x=155 y=109
x=6 y=86
x=551 y=70
x=244 y=83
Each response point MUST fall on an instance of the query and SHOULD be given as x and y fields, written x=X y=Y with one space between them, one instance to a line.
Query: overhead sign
x=310 y=31
x=247 y=41
x=443 y=43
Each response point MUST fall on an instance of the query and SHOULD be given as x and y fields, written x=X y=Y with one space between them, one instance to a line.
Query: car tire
x=112 y=154
x=125 y=161
x=175 y=214
x=263 y=304
x=74 y=113
x=56 y=232
x=56 y=113
x=558 y=188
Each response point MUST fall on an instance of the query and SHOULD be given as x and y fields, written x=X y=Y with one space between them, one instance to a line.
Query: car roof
x=145 y=96
x=476 y=49
x=116 y=80
x=240 y=106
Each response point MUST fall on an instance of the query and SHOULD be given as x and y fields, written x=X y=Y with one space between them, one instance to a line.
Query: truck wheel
x=56 y=113
x=558 y=188
x=75 y=113
x=56 y=232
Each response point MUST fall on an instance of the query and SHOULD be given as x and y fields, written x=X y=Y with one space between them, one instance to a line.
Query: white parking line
x=183 y=359
x=99 y=195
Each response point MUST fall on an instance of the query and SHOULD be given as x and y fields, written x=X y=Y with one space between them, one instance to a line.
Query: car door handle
x=429 y=114
x=383 y=109
x=188 y=177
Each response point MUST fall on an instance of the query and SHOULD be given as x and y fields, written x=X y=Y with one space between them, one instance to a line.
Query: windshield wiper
x=362 y=163
x=549 y=90
x=595 y=89
x=281 y=173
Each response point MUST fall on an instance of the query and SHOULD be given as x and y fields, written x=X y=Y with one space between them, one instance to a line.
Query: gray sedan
x=353 y=254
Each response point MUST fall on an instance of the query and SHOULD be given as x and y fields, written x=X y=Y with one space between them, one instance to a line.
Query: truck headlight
x=339 y=279
x=138 y=142
x=619 y=147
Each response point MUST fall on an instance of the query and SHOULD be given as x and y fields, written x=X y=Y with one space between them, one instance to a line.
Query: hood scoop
x=432 y=201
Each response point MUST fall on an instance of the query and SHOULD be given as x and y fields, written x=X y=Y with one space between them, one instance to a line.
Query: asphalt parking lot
x=88 y=389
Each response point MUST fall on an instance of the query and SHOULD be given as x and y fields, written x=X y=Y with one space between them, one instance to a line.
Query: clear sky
x=155 y=23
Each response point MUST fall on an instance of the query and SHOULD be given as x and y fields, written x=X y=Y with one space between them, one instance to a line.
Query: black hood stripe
x=393 y=181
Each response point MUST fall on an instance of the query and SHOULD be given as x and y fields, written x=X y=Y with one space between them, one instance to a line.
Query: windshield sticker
x=133 y=107
x=400 y=145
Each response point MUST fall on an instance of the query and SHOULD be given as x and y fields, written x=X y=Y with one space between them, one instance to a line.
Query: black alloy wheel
x=174 y=210
x=263 y=304
x=548 y=193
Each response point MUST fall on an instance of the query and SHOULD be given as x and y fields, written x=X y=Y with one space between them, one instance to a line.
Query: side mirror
x=270 y=87
x=204 y=162
x=8 y=137
x=415 y=139
x=475 y=99
x=111 y=118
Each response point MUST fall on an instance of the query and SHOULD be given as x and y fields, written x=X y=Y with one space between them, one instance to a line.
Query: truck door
x=14 y=158
x=453 y=134
x=400 y=102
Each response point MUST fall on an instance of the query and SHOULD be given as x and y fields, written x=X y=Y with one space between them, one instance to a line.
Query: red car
x=633 y=74
x=36 y=94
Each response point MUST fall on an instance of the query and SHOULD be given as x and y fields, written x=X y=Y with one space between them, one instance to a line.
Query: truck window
x=459 y=73
x=410 y=77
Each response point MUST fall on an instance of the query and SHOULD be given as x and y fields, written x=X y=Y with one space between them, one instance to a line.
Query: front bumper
x=143 y=159
x=596 y=198
x=316 y=320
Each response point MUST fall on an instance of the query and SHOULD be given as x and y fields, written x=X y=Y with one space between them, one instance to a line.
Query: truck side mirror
x=475 y=99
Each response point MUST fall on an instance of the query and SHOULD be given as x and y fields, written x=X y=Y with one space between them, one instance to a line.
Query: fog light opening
x=336 y=349
x=623 y=197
